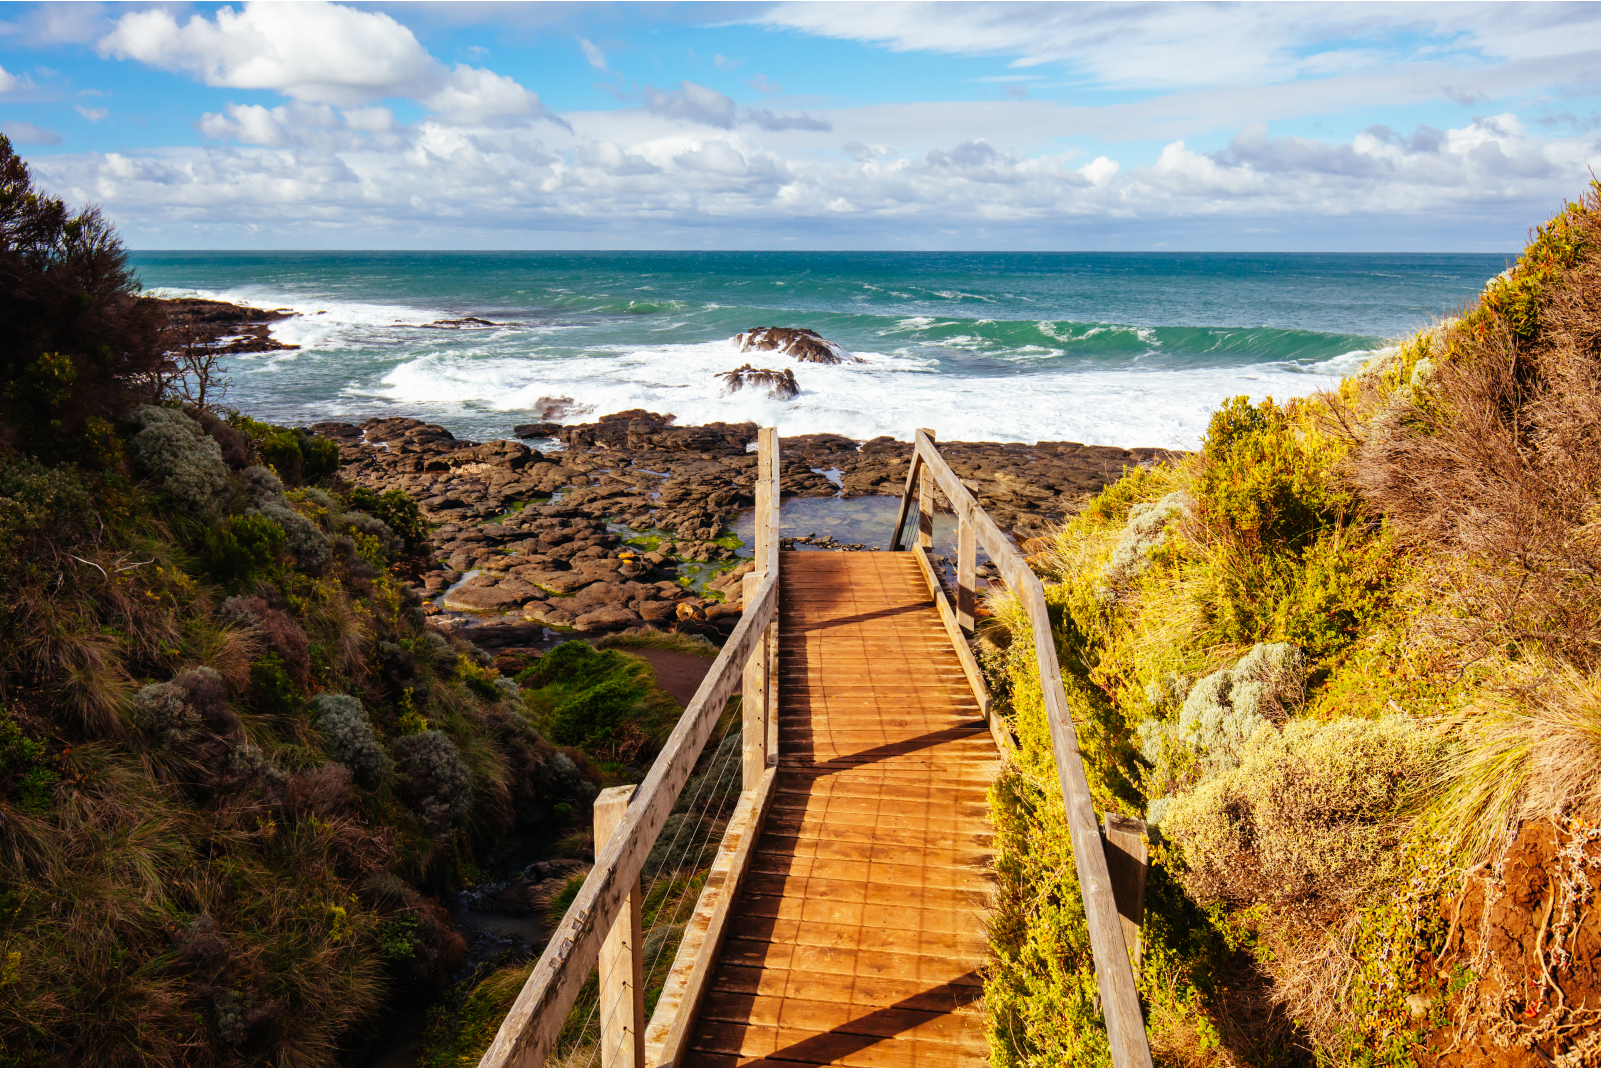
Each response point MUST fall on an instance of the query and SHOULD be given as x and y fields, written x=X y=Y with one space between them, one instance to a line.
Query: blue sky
x=1428 y=127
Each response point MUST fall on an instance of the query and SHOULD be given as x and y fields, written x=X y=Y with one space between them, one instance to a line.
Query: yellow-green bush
x=1424 y=540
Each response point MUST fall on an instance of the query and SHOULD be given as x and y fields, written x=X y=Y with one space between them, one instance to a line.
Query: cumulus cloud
x=90 y=113
x=26 y=133
x=8 y=81
x=613 y=159
x=691 y=102
x=314 y=52
x=722 y=62
x=763 y=84
x=630 y=171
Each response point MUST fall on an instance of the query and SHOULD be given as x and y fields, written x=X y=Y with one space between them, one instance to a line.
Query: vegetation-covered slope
x=237 y=773
x=1343 y=661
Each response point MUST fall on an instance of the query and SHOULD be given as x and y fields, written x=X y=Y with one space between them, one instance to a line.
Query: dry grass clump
x=1531 y=754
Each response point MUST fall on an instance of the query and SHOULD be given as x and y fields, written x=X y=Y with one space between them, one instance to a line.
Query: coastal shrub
x=1494 y=475
x=398 y=511
x=261 y=484
x=272 y=687
x=39 y=504
x=25 y=777
x=162 y=709
x=1146 y=530
x=437 y=782
x=302 y=538
x=1311 y=810
x=1267 y=479
x=242 y=549
x=179 y=458
x=343 y=723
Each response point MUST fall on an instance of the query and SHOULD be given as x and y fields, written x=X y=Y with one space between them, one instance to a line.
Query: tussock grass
x=1530 y=753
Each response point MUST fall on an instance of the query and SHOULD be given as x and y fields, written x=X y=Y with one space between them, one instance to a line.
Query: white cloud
x=771 y=122
x=8 y=81
x=763 y=84
x=312 y=165
x=1099 y=171
x=92 y=114
x=695 y=103
x=1170 y=45
x=722 y=62
x=595 y=56
x=26 y=133
x=314 y=52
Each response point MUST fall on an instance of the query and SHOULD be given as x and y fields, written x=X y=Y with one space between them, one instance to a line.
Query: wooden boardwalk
x=859 y=934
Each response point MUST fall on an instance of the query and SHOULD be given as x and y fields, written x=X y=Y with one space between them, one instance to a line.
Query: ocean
x=1125 y=349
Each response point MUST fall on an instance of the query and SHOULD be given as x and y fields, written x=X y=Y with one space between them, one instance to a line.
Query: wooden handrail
x=529 y=1032
x=1120 y=1001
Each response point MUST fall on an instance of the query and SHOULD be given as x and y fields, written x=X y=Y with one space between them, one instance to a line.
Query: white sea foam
x=360 y=359
x=889 y=394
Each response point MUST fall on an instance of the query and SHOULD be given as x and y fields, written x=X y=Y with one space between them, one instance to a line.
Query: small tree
x=78 y=345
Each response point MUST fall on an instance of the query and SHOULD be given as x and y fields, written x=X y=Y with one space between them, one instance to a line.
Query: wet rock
x=807 y=346
x=458 y=324
x=779 y=385
x=606 y=618
x=536 y=430
x=218 y=326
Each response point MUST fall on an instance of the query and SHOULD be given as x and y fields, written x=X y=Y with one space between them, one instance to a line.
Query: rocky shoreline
x=624 y=522
x=596 y=528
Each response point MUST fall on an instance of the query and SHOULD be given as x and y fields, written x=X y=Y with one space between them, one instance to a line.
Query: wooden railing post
x=966 y=574
x=925 y=505
x=622 y=956
x=1125 y=864
x=758 y=699
x=754 y=697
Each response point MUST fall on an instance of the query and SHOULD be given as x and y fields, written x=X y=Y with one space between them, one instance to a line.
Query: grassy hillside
x=1343 y=660
x=237 y=773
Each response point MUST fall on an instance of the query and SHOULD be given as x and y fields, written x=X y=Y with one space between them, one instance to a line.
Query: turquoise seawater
x=1106 y=348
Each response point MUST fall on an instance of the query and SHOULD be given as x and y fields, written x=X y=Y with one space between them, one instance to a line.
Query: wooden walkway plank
x=859 y=934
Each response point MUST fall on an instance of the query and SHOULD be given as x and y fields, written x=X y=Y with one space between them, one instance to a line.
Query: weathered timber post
x=754 y=696
x=966 y=574
x=1125 y=864
x=760 y=679
x=622 y=956
x=925 y=505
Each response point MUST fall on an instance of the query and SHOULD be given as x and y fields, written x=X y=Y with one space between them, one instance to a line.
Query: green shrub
x=301 y=537
x=24 y=779
x=180 y=459
x=1268 y=480
x=343 y=722
x=271 y=686
x=399 y=513
x=242 y=550
x=1311 y=810
x=437 y=782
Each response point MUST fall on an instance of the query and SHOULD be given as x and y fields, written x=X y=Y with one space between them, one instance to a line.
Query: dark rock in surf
x=458 y=324
x=807 y=346
x=536 y=430
x=780 y=385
